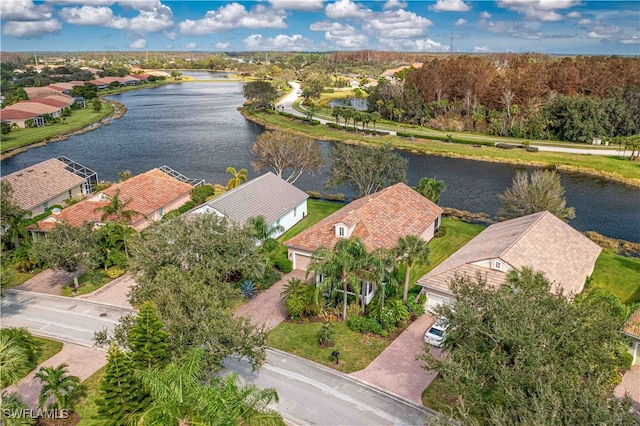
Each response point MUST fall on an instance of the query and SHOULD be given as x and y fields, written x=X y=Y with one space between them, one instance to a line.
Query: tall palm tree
x=58 y=384
x=346 y=263
x=381 y=263
x=182 y=396
x=261 y=228
x=117 y=208
x=411 y=249
x=431 y=188
x=238 y=177
x=13 y=361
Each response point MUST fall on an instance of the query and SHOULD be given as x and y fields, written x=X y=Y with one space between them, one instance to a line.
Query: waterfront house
x=277 y=200
x=38 y=187
x=152 y=194
x=631 y=329
x=539 y=241
x=378 y=220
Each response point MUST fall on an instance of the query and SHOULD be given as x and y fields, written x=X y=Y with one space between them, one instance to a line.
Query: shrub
x=333 y=125
x=116 y=258
x=334 y=197
x=248 y=289
x=199 y=194
x=284 y=265
x=532 y=149
x=314 y=194
x=364 y=325
x=415 y=308
x=270 y=277
x=294 y=305
x=506 y=145
x=314 y=122
x=115 y=272
x=325 y=337
x=441 y=232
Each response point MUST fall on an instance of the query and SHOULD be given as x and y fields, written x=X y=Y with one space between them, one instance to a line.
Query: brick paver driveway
x=267 y=308
x=48 y=281
x=631 y=384
x=396 y=368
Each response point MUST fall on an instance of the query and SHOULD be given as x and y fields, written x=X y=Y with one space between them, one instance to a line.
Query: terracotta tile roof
x=14 y=114
x=632 y=326
x=540 y=241
x=145 y=193
x=33 y=106
x=67 y=85
x=379 y=220
x=267 y=195
x=55 y=101
x=41 y=182
x=40 y=92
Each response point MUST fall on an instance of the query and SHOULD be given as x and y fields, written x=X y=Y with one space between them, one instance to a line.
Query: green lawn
x=48 y=348
x=89 y=281
x=356 y=350
x=78 y=119
x=86 y=407
x=18 y=278
x=316 y=211
x=618 y=274
x=439 y=397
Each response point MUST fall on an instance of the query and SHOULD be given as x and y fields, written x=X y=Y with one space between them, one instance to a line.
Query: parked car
x=436 y=334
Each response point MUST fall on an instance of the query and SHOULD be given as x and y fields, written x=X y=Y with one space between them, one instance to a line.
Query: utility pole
x=451 y=46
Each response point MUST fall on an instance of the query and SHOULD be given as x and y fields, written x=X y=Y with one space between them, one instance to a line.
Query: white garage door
x=301 y=261
x=435 y=299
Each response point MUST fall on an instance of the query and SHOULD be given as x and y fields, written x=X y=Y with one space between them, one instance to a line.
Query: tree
x=260 y=93
x=522 y=354
x=97 y=105
x=200 y=193
x=6 y=127
x=58 y=385
x=10 y=404
x=182 y=394
x=14 y=361
x=410 y=249
x=238 y=177
x=280 y=152
x=261 y=228
x=124 y=175
x=431 y=188
x=26 y=341
x=116 y=209
x=147 y=340
x=344 y=264
x=12 y=216
x=366 y=169
x=68 y=248
x=531 y=193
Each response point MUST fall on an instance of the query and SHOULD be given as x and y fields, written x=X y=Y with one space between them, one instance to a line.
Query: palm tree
x=12 y=403
x=261 y=228
x=431 y=188
x=381 y=263
x=411 y=249
x=375 y=116
x=58 y=384
x=13 y=361
x=117 y=208
x=346 y=263
x=182 y=396
x=239 y=177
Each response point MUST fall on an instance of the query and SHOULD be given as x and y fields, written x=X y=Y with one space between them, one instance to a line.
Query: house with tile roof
x=49 y=183
x=539 y=241
x=152 y=194
x=378 y=220
x=268 y=195
x=631 y=329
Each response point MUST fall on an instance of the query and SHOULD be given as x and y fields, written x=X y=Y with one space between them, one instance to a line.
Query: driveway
x=115 y=293
x=266 y=309
x=631 y=384
x=49 y=281
x=396 y=368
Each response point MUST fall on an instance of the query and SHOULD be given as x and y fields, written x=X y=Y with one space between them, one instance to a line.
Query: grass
x=17 y=277
x=88 y=282
x=618 y=274
x=78 y=119
x=316 y=211
x=439 y=397
x=356 y=350
x=87 y=407
x=609 y=167
x=48 y=348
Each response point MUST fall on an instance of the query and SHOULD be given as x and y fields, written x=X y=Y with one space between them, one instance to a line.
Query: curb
x=53 y=296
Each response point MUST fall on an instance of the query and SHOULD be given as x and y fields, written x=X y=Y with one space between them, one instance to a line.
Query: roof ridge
x=526 y=231
x=244 y=185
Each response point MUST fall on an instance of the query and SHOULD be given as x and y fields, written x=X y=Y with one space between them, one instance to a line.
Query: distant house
x=378 y=220
x=631 y=329
x=40 y=92
x=45 y=184
x=277 y=200
x=153 y=194
x=540 y=241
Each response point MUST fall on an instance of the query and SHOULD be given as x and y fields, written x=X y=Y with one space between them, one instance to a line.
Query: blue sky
x=545 y=26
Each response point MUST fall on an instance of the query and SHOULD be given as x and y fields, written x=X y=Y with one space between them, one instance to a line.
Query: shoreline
x=415 y=150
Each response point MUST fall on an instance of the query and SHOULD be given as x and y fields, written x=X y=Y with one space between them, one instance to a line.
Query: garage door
x=301 y=261
x=435 y=299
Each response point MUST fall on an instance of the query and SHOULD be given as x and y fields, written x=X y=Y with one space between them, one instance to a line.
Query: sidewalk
x=115 y=293
x=82 y=362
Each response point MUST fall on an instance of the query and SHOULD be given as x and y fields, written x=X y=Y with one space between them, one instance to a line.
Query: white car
x=436 y=334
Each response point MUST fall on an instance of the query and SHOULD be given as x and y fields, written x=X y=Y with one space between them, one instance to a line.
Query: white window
x=295 y=209
x=497 y=264
x=437 y=223
x=161 y=212
x=340 y=231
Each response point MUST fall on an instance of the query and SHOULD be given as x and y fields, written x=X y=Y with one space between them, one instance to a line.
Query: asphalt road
x=56 y=317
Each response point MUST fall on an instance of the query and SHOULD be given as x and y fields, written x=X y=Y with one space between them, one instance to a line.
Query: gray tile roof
x=540 y=241
x=267 y=195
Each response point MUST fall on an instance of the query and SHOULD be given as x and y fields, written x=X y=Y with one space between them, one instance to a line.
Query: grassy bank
x=613 y=168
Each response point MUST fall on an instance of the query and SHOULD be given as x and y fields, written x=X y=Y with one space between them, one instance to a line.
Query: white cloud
x=146 y=21
x=190 y=46
x=574 y=15
x=171 y=35
x=480 y=49
x=450 y=6
x=139 y=44
x=395 y=4
x=539 y=10
x=301 y=5
x=221 y=45
x=33 y=29
x=419 y=45
x=602 y=31
x=631 y=40
x=24 y=10
x=341 y=35
x=460 y=22
x=83 y=2
x=485 y=15
x=584 y=21
x=281 y=42
x=235 y=15
x=397 y=24
x=344 y=9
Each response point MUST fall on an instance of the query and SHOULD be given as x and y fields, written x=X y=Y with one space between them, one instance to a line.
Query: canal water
x=195 y=128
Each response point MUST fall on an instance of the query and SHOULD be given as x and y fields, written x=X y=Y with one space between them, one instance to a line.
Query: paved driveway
x=115 y=293
x=631 y=384
x=396 y=368
x=49 y=281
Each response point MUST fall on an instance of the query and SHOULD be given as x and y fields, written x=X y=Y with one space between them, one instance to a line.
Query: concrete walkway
x=631 y=384
x=116 y=293
x=267 y=309
x=396 y=368
x=81 y=361
x=49 y=281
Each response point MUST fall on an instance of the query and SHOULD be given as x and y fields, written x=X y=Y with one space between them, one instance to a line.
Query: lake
x=195 y=128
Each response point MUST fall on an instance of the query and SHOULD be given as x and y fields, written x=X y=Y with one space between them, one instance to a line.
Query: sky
x=544 y=26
